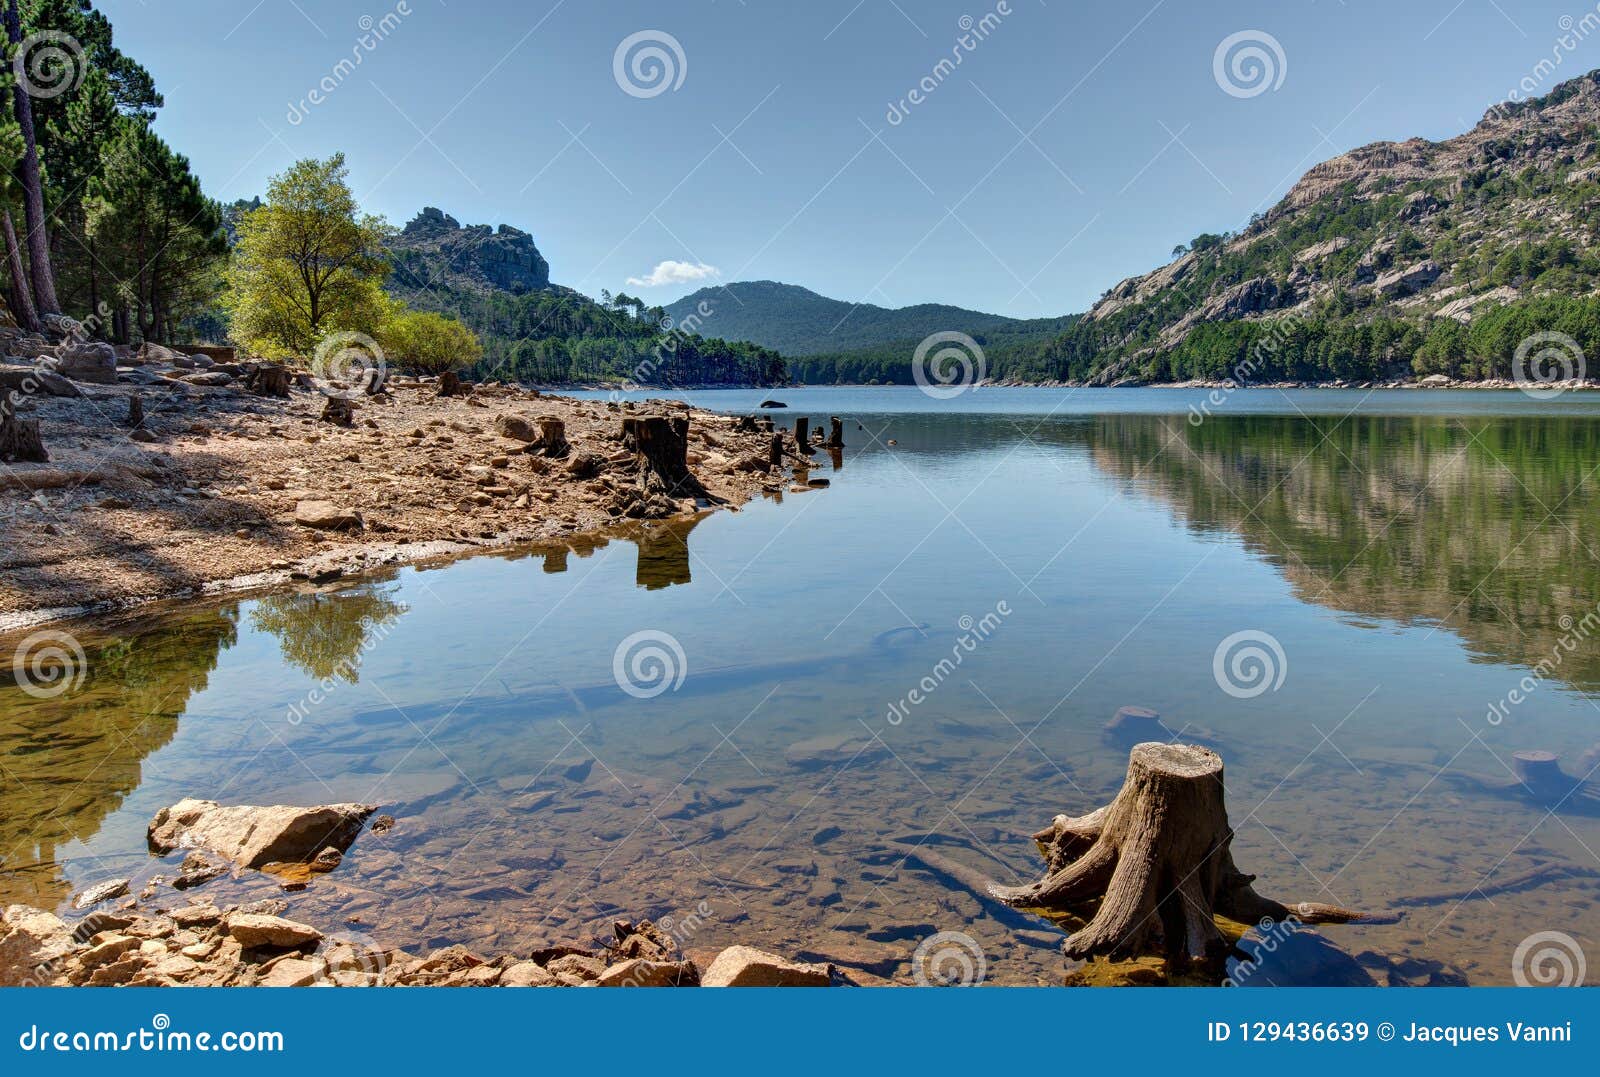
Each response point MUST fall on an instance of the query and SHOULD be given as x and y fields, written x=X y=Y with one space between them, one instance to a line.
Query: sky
x=659 y=147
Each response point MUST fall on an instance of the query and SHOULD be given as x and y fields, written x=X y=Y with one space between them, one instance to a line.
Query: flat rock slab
x=326 y=516
x=745 y=966
x=255 y=929
x=255 y=836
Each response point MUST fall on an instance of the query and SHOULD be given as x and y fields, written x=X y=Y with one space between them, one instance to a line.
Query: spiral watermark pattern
x=956 y=366
x=1548 y=959
x=949 y=959
x=1249 y=663
x=346 y=363
x=649 y=663
x=649 y=63
x=1249 y=64
x=1548 y=364
x=49 y=663
x=49 y=63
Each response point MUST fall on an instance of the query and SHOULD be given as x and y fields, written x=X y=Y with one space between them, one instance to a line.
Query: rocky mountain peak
x=434 y=248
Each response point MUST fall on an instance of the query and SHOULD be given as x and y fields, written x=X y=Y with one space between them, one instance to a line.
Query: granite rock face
x=435 y=248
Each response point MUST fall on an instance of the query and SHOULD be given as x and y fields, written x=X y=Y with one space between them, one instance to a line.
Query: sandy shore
x=223 y=490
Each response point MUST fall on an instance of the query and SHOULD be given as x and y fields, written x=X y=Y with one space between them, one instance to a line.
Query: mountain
x=798 y=321
x=1396 y=258
x=495 y=281
x=435 y=249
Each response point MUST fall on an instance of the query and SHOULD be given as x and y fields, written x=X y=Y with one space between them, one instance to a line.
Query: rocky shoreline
x=170 y=476
x=166 y=936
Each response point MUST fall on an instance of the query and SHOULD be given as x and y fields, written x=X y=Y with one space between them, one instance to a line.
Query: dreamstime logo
x=949 y=959
x=649 y=663
x=1249 y=663
x=649 y=63
x=973 y=33
x=49 y=63
x=49 y=663
x=1249 y=63
x=1547 y=364
x=374 y=32
x=951 y=370
x=1548 y=959
x=347 y=363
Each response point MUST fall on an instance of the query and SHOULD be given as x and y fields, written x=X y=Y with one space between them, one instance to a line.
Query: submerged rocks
x=815 y=753
x=745 y=966
x=94 y=895
x=253 y=837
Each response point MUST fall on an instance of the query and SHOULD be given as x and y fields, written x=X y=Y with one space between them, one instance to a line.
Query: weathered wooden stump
x=135 y=411
x=339 y=410
x=835 y=433
x=1541 y=772
x=1152 y=869
x=552 y=439
x=270 y=379
x=449 y=383
x=775 y=453
x=802 y=437
x=20 y=439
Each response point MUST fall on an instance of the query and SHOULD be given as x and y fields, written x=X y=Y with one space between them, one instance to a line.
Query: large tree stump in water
x=1157 y=860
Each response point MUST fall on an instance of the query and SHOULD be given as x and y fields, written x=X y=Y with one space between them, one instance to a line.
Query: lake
x=749 y=724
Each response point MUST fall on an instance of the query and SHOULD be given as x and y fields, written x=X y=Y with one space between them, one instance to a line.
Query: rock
x=772 y=404
x=1434 y=381
x=643 y=940
x=106 y=952
x=198 y=868
x=291 y=972
x=526 y=974
x=32 y=942
x=585 y=465
x=744 y=966
x=92 y=362
x=253 y=836
x=516 y=428
x=826 y=751
x=32 y=381
x=211 y=378
x=640 y=972
x=580 y=965
x=1399 y=282
x=253 y=930
x=326 y=516
x=111 y=888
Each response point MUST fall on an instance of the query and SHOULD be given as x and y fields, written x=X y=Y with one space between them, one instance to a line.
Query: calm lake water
x=1403 y=560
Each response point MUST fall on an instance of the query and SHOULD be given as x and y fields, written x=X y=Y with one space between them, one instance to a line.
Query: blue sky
x=1074 y=144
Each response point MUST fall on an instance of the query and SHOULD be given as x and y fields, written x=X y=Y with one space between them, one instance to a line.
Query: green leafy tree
x=308 y=263
x=428 y=343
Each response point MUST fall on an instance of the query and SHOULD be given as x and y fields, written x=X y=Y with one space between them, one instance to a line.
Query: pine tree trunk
x=44 y=280
x=21 y=298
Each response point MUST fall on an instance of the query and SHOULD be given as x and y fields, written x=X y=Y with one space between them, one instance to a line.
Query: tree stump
x=449 y=383
x=20 y=439
x=339 y=410
x=1541 y=772
x=270 y=379
x=135 y=411
x=835 y=433
x=802 y=437
x=1157 y=860
x=552 y=439
x=775 y=453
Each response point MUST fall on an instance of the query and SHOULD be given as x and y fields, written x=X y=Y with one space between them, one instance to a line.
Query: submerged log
x=1157 y=861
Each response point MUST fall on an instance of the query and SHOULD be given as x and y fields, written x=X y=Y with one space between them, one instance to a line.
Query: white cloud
x=670 y=272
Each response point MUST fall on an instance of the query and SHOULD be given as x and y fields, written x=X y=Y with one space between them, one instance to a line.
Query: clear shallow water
x=1413 y=554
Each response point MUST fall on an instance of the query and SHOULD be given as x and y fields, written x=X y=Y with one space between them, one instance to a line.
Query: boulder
x=292 y=972
x=641 y=972
x=250 y=930
x=254 y=836
x=93 y=362
x=516 y=428
x=744 y=966
x=526 y=974
x=32 y=943
x=326 y=516
x=31 y=381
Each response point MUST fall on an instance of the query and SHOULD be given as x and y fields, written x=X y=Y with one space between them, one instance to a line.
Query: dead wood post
x=20 y=439
x=1152 y=869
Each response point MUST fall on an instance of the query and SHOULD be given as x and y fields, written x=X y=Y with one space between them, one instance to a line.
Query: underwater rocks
x=254 y=837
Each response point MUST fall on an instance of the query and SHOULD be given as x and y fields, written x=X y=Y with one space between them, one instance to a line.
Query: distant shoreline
x=1501 y=384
